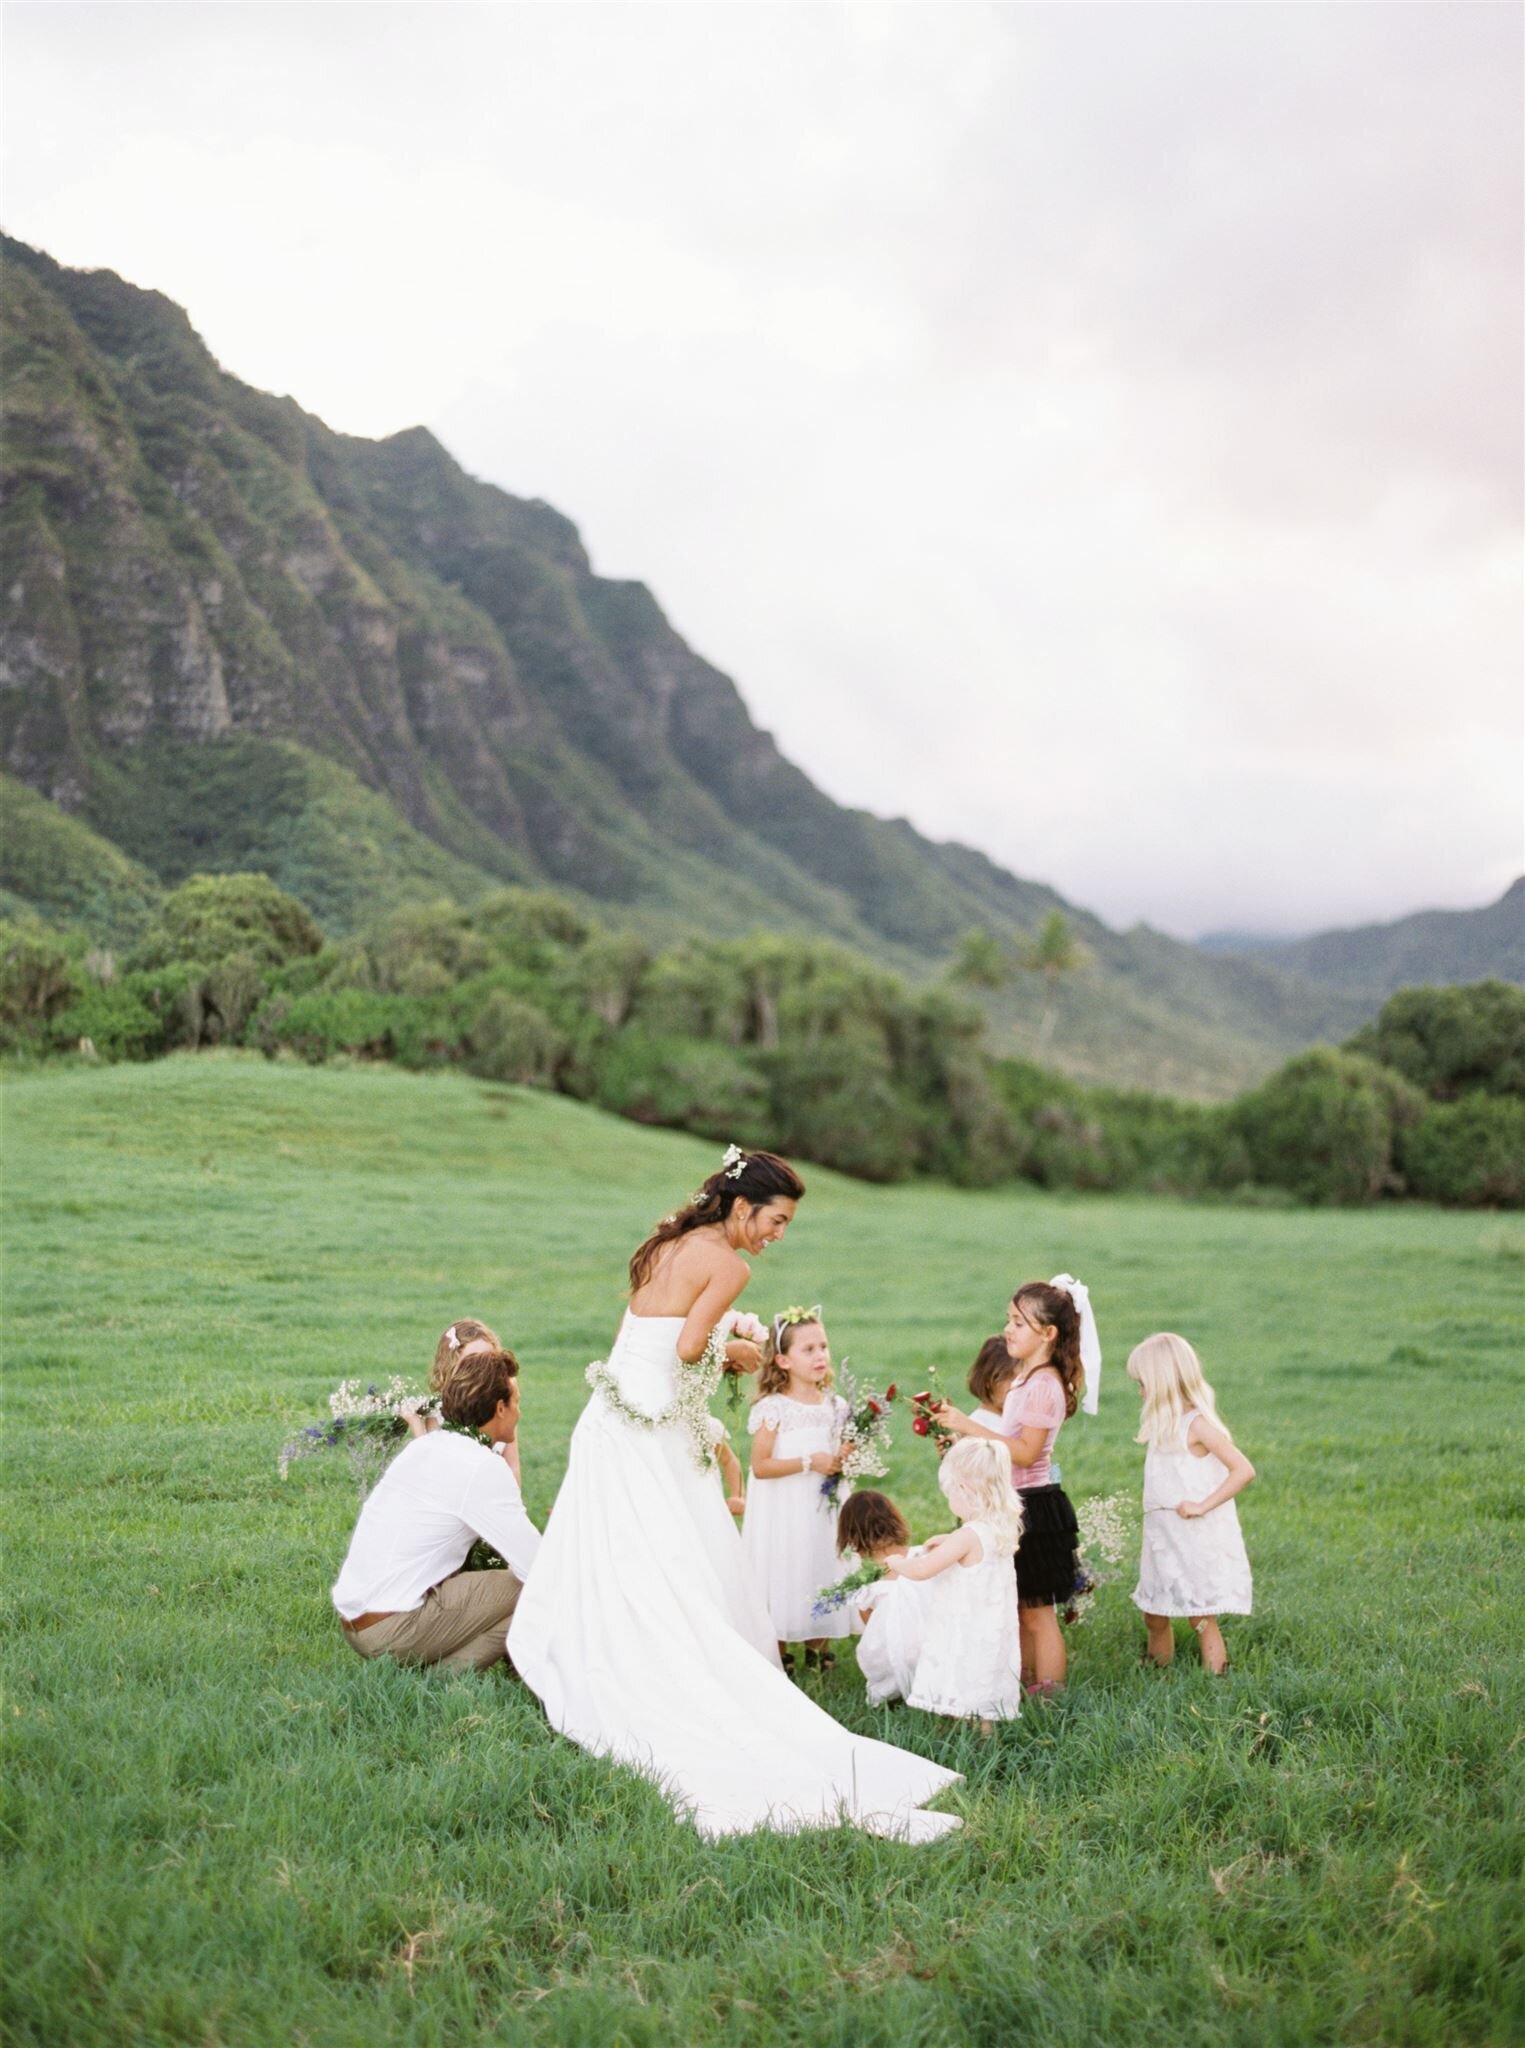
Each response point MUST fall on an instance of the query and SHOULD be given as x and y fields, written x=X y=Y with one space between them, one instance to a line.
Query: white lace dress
x=1195 y=1567
x=641 y=1632
x=971 y=1660
x=789 y=1537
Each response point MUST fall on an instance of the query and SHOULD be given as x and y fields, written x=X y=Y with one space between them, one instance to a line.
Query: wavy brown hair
x=1054 y=1305
x=993 y=1365
x=870 y=1521
x=763 y=1178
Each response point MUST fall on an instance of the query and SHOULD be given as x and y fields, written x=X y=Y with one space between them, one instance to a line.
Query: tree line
x=798 y=1045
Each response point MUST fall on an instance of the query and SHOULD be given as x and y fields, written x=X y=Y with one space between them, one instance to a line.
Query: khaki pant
x=461 y=1624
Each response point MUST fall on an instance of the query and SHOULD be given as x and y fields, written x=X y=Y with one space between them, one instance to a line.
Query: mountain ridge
x=1422 y=946
x=217 y=606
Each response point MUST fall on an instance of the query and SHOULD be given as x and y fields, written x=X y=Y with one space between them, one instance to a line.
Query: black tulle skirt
x=1048 y=1560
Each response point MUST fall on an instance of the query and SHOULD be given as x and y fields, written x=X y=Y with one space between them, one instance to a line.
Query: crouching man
x=402 y=1592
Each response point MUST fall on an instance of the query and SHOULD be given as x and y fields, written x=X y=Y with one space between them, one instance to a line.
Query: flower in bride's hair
x=734 y=1163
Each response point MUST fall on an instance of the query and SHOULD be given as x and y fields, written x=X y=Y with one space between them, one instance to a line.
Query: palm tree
x=981 y=961
x=1054 y=953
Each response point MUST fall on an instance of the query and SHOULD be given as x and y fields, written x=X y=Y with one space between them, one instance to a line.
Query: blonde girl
x=970 y=1661
x=1193 y=1561
x=789 y=1536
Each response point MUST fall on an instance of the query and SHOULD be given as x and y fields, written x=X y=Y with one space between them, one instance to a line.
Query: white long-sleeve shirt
x=435 y=1498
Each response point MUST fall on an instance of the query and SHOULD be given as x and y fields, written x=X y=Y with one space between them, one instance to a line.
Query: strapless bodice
x=644 y=1361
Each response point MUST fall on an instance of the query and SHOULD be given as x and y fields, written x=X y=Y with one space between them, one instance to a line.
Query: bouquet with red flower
x=865 y=1436
x=925 y=1421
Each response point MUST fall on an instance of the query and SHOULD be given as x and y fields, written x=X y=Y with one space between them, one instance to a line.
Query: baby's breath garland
x=689 y=1408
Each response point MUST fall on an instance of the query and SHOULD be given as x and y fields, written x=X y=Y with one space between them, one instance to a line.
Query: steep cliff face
x=229 y=634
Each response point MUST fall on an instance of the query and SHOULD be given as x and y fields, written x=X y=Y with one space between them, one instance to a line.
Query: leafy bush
x=36 y=977
x=829 y=1103
x=508 y=1039
x=1449 y=1041
x=211 y=917
x=330 y=1021
x=423 y=949
x=1324 y=1126
x=683 y=1083
x=531 y=928
x=116 y=1020
x=1471 y=1152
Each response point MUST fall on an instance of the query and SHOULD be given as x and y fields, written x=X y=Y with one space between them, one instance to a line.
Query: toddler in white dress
x=890 y=1611
x=969 y=1664
x=1193 y=1561
x=789 y=1537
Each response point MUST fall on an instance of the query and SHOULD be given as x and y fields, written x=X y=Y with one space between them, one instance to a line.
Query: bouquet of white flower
x=369 y=1423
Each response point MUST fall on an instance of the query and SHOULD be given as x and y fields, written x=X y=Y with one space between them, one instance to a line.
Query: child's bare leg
x=1210 y=1640
x=1047 y=1639
x=1025 y=1639
x=1162 y=1639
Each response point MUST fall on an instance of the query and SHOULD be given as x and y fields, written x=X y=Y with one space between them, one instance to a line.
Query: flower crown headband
x=787 y=1317
x=733 y=1166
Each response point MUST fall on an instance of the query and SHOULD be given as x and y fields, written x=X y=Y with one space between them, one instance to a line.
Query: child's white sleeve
x=718 y=1433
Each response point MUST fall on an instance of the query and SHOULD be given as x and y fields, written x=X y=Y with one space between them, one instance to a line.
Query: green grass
x=223 y=1828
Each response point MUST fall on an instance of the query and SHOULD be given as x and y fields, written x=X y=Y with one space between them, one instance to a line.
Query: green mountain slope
x=1431 y=947
x=233 y=638
x=58 y=869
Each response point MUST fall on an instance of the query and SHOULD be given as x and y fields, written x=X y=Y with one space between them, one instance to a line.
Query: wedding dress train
x=646 y=1642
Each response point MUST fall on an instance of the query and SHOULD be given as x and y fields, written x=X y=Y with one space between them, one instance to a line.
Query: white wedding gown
x=646 y=1641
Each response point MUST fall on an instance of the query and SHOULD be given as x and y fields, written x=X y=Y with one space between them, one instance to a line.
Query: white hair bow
x=1090 y=1337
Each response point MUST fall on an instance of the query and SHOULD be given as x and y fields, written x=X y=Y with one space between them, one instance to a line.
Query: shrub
x=532 y=928
x=1323 y=1127
x=831 y=1104
x=211 y=917
x=116 y=1020
x=1449 y=1041
x=684 y=1083
x=424 y=948
x=510 y=1040
x=330 y=1021
x=1470 y=1152
x=36 y=978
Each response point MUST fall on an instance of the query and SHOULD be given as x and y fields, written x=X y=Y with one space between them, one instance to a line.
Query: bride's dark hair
x=757 y=1177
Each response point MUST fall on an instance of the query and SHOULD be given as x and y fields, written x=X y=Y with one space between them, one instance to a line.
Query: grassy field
x=223 y=1828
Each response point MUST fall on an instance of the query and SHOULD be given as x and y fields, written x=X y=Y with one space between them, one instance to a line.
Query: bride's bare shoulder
x=705 y=1259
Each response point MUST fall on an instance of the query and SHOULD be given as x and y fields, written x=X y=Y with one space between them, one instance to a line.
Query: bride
x=639 y=1628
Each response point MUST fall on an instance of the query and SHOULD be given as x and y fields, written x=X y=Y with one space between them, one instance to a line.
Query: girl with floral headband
x=789 y=1537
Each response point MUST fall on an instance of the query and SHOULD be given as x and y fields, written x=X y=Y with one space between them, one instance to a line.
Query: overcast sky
x=1092 y=432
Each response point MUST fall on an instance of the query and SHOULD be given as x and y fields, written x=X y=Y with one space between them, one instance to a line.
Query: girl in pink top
x=1043 y=1342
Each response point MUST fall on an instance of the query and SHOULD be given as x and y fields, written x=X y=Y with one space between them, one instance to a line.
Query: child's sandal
x=786 y=1658
x=825 y=1661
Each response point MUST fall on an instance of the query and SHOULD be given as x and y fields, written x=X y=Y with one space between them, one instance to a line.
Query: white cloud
x=1090 y=431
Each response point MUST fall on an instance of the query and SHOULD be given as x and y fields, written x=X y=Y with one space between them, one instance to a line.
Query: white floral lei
x=690 y=1405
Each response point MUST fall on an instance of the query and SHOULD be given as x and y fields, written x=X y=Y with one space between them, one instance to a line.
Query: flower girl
x=1193 y=1560
x=970 y=1662
x=789 y=1537
x=890 y=1611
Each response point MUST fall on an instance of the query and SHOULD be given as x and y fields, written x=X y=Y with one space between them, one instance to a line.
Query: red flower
x=920 y=1426
x=890 y=1391
x=921 y=1397
x=874 y=1408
